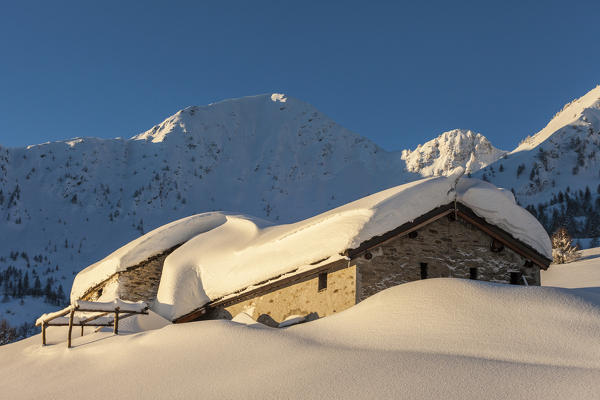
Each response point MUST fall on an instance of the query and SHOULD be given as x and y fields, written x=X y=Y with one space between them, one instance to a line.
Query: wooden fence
x=95 y=314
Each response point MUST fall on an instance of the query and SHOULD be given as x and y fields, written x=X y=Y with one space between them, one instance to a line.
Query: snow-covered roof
x=144 y=247
x=225 y=252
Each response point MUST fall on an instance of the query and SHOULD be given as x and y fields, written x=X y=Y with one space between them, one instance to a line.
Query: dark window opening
x=413 y=234
x=423 y=270
x=100 y=292
x=496 y=246
x=368 y=255
x=473 y=273
x=515 y=278
x=322 y=281
x=452 y=217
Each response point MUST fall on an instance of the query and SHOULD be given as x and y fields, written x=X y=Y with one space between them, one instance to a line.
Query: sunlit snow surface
x=584 y=273
x=432 y=339
x=455 y=148
x=587 y=106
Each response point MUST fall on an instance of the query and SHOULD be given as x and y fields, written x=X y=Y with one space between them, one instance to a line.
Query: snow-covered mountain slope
x=455 y=148
x=572 y=113
x=557 y=163
x=431 y=339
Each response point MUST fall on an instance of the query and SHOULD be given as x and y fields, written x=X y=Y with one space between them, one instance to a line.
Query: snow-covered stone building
x=217 y=265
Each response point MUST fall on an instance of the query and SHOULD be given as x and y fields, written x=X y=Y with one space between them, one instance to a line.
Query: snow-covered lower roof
x=223 y=253
x=144 y=247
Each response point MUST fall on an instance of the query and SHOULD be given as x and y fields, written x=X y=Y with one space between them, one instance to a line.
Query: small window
x=413 y=234
x=322 y=281
x=368 y=255
x=100 y=292
x=424 y=274
x=496 y=246
x=515 y=278
x=473 y=273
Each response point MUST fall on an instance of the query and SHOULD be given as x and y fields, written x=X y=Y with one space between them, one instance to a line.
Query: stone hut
x=477 y=232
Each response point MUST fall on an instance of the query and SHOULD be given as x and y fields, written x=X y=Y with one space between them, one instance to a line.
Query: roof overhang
x=465 y=213
x=246 y=294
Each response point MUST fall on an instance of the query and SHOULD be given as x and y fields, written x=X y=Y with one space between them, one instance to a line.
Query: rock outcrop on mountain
x=458 y=147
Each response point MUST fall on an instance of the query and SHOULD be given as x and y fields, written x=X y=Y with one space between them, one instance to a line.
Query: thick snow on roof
x=148 y=245
x=498 y=207
x=224 y=253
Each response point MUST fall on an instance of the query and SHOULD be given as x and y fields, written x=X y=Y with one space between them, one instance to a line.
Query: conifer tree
x=37 y=286
x=26 y=283
x=563 y=250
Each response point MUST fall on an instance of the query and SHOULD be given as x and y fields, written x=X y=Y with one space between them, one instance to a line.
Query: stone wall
x=449 y=248
x=136 y=283
x=302 y=298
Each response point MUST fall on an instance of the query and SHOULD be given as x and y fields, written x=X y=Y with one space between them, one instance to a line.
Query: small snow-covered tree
x=563 y=250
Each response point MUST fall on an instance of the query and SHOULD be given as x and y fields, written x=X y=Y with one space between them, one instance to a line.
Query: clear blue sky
x=397 y=72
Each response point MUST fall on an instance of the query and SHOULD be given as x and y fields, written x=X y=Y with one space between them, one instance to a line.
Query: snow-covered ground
x=584 y=273
x=438 y=338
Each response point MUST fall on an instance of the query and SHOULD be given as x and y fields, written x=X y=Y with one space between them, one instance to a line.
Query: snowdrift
x=583 y=273
x=438 y=338
x=534 y=325
x=224 y=253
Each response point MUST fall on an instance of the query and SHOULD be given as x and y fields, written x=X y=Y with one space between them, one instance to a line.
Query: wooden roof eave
x=461 y=211
x=403 y=229
x=278 y=284
x=502 y=236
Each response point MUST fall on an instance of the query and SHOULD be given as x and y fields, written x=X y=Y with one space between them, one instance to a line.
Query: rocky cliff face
x=458 y=147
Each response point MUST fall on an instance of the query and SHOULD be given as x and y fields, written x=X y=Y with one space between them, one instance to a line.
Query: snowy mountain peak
x=266 y=111
x=554 y=172
x=278 y=97
x=582 y=109
x=455 y=148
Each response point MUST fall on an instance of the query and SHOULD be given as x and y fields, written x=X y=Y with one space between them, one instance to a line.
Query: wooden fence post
x=43 y=333
x=116 y=322
x=81 y=329
x=70 y=327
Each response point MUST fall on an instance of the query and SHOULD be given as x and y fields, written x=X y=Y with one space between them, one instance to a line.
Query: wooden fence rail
x=120 y=308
